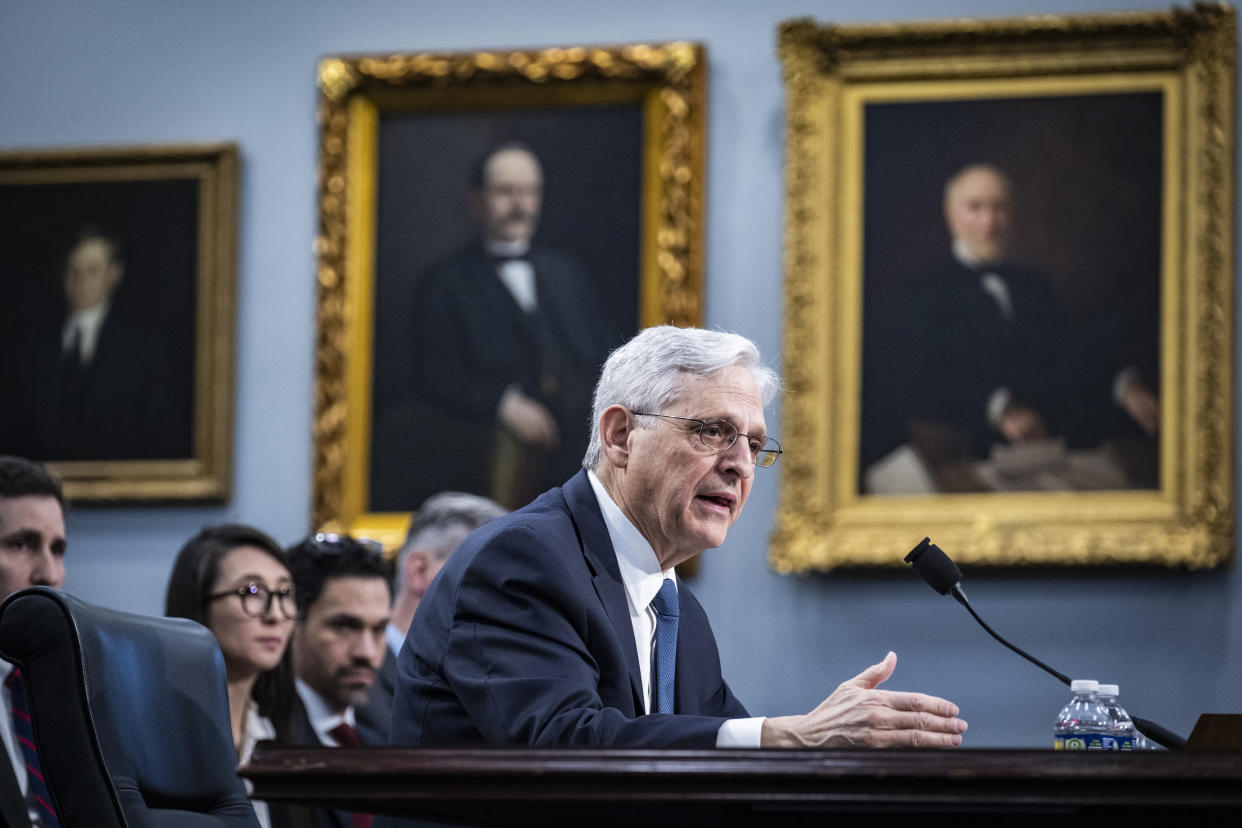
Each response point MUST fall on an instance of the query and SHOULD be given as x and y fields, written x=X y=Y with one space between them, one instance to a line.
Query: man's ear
x=416 y=568
x=616 y=425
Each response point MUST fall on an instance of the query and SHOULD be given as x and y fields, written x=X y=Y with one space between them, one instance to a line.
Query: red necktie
x=347 y=737
x=36 y=787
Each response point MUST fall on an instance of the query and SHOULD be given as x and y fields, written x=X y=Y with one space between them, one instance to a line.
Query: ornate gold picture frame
x=618 y=132
x=116 y=317
x=1106 y=143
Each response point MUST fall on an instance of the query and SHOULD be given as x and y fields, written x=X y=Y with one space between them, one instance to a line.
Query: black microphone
x=937 y=569
x=942 y=575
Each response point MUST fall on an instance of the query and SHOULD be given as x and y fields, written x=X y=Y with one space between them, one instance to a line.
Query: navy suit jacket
x=13 y=812
x=134 y=401
x=293 y=815
x=374 y=716
x=525 y=638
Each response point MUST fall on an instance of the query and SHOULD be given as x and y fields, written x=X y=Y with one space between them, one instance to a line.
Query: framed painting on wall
x=116 y=322
x=1009 y=290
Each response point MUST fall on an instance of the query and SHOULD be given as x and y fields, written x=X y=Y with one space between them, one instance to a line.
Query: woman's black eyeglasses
x=256 y=600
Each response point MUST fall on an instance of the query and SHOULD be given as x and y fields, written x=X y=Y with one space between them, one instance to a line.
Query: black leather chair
x=130 y=714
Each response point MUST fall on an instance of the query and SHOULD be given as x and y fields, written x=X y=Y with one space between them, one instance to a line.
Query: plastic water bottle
x=1125 y=737
x=1083 y=723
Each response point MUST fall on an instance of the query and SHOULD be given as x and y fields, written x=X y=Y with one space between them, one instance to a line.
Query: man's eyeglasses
x=720 y=435
x=256 y=600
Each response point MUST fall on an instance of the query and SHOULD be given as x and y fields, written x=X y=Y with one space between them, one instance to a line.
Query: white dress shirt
x=87 y=323
x=642 y=578
x=517 y=274
x=16 y=757
x=993 y=285
x=322 y=718
x=259 y=728
x=395 y=639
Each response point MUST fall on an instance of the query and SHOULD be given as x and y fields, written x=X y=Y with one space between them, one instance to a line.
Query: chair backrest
x=130 y=714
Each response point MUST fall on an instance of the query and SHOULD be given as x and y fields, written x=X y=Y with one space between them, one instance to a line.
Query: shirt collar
x=395 y=638
x=322 y=717
x=88 y=321
x=91 y=316
x=640 y=568
x=962 y=253
x=258 y=727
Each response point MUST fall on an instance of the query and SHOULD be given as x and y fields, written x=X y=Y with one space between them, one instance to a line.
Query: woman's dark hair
x=194 y=574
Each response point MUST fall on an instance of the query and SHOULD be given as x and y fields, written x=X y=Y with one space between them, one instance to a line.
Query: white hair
x=442 y=522
x=648 y=372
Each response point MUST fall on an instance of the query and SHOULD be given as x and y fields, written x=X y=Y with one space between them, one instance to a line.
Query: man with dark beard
x=338 y=644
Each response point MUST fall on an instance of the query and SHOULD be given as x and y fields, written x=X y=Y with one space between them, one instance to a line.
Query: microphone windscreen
x=936 y=568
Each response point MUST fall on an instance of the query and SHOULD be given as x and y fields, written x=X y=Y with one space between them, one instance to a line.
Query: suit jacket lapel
x=388 y=671
x=606 y=575
x=686 y=696
x=492 y=289
x=12 y=807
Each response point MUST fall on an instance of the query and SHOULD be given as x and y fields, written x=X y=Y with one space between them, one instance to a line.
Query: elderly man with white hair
x=564 y=623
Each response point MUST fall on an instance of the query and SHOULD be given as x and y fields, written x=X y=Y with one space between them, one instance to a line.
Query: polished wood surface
x=521 y=786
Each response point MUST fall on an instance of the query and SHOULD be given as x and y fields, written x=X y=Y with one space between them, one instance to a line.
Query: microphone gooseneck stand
x=942 y=575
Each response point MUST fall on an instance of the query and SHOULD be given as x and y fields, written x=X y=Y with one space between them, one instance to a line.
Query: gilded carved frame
x=665 y=80
x=181 y=245
x=830 y=73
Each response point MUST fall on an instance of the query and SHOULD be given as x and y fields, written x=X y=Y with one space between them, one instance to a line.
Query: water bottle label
x=1125 y=742
x=1084 y=741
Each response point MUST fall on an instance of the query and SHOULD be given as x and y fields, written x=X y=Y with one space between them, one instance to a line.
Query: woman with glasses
x=235 y=581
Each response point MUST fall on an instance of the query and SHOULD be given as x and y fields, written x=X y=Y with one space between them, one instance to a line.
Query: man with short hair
x=338 y=641
x=32 y=553
x=564 y=623
x=436 y=530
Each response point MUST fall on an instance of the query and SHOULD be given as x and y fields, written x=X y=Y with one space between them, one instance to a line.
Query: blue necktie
x=36 y=786
x=665 y=661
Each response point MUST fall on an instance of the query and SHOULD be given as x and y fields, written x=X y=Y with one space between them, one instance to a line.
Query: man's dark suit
x=525 y=638
x=944 y=346
x=472 y=341
x=287 y=815
x=134 y=400
x=375 y=716
x=12 y=807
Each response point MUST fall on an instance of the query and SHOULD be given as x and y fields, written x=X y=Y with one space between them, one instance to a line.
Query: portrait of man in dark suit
x=490 y=334
x=1010 y=343
x=507 y=330
x=107 y=374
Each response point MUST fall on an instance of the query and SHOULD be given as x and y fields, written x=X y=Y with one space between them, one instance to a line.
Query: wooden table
x=650 y=788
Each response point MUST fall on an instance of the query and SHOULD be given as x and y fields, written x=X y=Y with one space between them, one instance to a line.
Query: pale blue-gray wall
x=154 y=71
